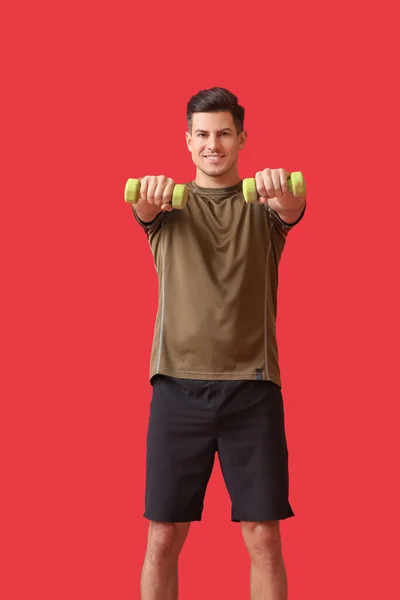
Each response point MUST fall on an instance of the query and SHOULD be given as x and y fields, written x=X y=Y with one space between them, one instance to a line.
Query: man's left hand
x=271 y=183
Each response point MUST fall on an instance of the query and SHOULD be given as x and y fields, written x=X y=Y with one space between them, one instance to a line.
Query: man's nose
x=213 y=142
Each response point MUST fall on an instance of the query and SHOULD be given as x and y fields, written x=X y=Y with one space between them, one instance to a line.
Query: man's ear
x=242 y=139
x=189 y=141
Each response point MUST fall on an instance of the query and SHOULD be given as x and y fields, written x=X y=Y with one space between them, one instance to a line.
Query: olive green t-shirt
x=217 y=266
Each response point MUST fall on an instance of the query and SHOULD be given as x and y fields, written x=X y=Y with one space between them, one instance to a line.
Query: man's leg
x=181 y=445
x=253 y=454
x=268 y=580
x=160 y=570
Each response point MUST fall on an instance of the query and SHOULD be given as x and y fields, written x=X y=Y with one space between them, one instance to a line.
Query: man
x=214 y=362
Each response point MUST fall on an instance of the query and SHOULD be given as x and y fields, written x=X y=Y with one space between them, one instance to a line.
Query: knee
x=263 y=541
x=165 y=540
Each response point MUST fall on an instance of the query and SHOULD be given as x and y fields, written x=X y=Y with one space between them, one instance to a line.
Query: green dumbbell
x=179 y=196
x=296 y=185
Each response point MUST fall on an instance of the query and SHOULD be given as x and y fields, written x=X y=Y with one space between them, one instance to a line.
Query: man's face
x=214 y=142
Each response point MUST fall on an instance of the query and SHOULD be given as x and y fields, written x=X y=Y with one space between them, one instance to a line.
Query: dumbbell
x=296 y=185
x=179 y=195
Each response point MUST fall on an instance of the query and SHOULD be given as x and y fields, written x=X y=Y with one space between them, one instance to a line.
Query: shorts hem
x=235 y=518
x=239 y=520
x=170 y=519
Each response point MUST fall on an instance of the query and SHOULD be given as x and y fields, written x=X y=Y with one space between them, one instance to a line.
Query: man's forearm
x=288 y=207
x=146 y=213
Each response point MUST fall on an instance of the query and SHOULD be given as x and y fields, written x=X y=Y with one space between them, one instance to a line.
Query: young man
x=214 y=362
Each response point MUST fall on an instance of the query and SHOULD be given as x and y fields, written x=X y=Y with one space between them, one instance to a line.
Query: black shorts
x=191 y=420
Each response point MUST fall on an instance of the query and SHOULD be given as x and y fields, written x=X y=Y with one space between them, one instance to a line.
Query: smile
x=214 y=157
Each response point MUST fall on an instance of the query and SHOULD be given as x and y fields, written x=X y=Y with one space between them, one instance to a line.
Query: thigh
x=181 y=445
x=253 y=451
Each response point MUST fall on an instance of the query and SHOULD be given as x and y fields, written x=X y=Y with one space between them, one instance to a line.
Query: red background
x=94 y=93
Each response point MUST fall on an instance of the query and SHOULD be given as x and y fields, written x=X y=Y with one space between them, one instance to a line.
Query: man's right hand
x=155 y=192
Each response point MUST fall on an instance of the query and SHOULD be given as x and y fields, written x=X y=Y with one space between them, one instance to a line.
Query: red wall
x=95 y=93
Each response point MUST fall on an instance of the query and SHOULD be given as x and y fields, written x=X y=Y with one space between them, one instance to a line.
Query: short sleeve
x=151 y=226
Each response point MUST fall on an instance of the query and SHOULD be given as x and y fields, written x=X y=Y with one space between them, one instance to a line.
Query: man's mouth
x=214 y=157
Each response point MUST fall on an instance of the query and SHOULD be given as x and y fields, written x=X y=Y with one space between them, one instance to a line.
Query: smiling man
x=214 y=363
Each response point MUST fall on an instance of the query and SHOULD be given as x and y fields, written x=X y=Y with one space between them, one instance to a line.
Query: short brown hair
x=216 y=99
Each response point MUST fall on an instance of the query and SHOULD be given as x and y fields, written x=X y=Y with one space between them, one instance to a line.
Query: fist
x=157 y=190
x=271 y=183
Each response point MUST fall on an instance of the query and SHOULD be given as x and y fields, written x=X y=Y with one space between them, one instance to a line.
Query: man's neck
x=221 y=181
